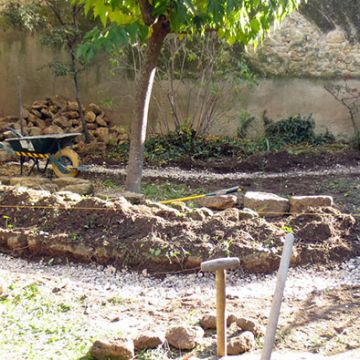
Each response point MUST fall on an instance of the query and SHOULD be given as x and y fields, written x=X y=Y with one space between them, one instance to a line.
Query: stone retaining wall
x=298 y=48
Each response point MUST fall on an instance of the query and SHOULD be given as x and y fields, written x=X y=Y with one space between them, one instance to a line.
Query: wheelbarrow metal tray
x=42 y=144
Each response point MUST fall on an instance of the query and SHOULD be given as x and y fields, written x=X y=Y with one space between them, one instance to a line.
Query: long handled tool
x=278 y=297
x=194 y=197
x=220 y=266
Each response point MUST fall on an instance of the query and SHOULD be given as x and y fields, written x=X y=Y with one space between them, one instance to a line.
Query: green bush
x=295 y=130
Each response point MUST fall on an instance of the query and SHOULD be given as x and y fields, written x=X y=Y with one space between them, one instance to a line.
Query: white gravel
x=154 y=295
x=180 y=174
x=300 y=282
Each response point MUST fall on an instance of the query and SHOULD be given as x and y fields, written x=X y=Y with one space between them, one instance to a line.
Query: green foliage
x=8 y=222
x=27 y=16
x=245 y=122
x=295 y=130
x=355 y=140
x=184 y=143
x=234 y=21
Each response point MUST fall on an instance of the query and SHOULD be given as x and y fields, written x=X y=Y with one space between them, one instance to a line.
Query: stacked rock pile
x=58 y=115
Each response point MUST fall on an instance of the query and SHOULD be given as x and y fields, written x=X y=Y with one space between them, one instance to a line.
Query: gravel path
x=180 y=174
x=300 y=282
x=146 y=301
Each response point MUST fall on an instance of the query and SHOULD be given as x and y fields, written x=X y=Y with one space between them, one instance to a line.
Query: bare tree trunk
x=75 y=75
x=143 y=94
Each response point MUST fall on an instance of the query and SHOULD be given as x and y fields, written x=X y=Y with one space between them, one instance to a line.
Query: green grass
x=346 y=191
x=167 y=191
x=35 y=324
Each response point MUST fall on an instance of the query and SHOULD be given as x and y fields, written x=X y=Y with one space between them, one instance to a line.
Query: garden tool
x=194 y=197
x=220 y=266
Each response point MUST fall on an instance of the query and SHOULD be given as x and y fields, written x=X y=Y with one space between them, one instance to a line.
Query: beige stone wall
x=299 y=49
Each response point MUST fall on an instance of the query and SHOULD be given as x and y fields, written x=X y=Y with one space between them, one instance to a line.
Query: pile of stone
x=58 y=115
x=243 y=333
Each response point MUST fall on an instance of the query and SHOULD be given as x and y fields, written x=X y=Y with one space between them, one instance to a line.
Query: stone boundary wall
x=299 y=49
x=296 y=50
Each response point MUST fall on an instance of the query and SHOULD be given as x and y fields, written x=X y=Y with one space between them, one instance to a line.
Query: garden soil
x=58 y=228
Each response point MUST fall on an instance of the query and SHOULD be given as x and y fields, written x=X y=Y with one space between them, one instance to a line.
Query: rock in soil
x=149 y=340
x=300 y=203
x=241 y=343
x=114 y=349
x=219 y=202
x=266 y=204
x=184 y=337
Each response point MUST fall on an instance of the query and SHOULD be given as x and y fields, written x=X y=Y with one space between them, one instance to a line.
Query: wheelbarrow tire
x=67 y=157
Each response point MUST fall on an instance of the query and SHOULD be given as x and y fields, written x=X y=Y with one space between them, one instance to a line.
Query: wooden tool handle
x=220 y=312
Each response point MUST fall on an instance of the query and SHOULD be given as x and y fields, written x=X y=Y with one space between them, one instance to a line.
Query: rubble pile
x=58 y=115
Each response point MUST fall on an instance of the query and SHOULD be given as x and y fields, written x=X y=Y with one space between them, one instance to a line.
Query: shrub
x=295 y=130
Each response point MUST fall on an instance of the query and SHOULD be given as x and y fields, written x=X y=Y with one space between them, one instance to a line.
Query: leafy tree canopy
x=128 y=21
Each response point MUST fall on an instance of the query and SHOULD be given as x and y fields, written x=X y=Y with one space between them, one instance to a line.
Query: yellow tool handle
x=193 y=197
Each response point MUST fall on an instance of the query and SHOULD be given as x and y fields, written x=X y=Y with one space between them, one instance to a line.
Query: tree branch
x=146 y=12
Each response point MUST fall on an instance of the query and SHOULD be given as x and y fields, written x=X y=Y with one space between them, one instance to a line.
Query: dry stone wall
x=298 y=48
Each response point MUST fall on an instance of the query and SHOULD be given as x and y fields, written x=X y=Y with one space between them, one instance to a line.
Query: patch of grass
x=109 y=183
x=167 y=191
x=344 y=188
x=35 y=324
x=117 y=300
x=156 y=354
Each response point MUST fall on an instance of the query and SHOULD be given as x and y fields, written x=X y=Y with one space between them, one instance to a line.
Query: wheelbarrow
x=54 y=148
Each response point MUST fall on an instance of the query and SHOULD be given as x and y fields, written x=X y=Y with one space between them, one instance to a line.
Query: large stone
x=218 y=202
x=40 y=123
x=90 y=116
x=300 y=203
x=47 y=113
x=148 y=340
x=241 y=343
x=266 y=204
x=113 y=349
x=208 y=321
x=72 y=106
x=71 y=114
x=81 y=188
x=184 y=337
x=335 y=37
x=53 y=129
x=102 y=133
x=101 y=121
x=37 y=113
x=62 y=121
x=250 y=325
x=247 y=214
x=133 y=198
x=35 y=131
x=39 y=104
x=94 y=108
x=167 y=212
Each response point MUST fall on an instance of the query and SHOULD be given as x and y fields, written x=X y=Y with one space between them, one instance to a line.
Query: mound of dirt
x=157 y=237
